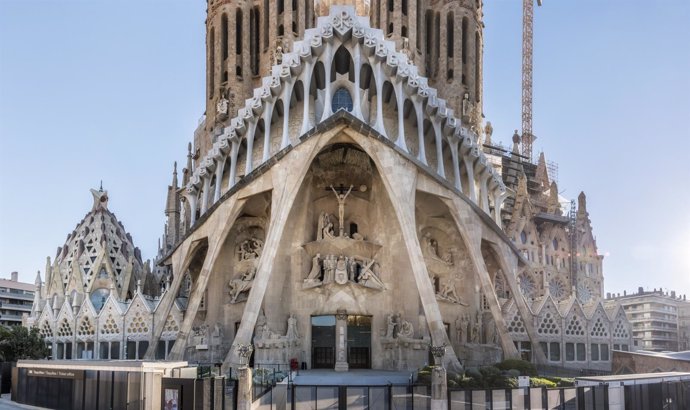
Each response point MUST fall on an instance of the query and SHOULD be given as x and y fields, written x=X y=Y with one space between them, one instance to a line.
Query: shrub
x=524 y=367
x=561 y=381
x=541 y=382
x=512 y=373
x=511 y=383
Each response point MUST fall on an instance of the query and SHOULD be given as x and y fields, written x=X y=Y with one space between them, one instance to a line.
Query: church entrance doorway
x=323 y=342
x=359 y=342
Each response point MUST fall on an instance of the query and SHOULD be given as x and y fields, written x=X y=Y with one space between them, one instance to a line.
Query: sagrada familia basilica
x=342 y=206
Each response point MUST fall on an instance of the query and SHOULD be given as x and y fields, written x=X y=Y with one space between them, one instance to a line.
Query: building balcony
x=14 y=306
x=17 y=296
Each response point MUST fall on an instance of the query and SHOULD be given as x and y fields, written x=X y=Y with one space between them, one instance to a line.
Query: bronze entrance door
x=323 y=342
x=359 y=342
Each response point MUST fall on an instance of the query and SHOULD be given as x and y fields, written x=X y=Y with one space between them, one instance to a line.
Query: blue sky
x=112 y=90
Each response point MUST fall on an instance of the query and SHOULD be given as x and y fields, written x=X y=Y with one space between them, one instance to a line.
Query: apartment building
x=16 y=298
x=660 y=319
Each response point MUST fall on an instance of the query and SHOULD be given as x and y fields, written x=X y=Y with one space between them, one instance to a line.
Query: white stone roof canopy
x=472 y=174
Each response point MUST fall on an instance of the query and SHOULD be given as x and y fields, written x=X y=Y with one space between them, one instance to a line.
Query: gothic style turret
x=172 y=213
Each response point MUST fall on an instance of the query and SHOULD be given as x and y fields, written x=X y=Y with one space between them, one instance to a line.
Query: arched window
x=295 y=16
x=342 y=100
x=464 y=40
x=523 y=237
x=404 y=7
x=254 y=39
x=238 y=32
x=450 y=43
x=211 y=65
x=98 y=298
x=266 y=24
x=418 y=41
x=437 y=40
x=238 y=42
x=390 y=5
x=281 y=6
x=429 y=25
x=224 y=35
x=477 y=66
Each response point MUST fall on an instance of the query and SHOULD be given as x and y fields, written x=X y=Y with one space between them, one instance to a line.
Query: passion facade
x=343 y=217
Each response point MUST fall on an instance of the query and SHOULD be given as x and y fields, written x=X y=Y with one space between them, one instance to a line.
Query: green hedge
x=524 y=367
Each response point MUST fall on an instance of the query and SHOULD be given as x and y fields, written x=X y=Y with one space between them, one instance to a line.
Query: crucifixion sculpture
x=340 y=196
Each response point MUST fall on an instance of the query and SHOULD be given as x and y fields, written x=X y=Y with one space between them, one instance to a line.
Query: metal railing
x=667 y=395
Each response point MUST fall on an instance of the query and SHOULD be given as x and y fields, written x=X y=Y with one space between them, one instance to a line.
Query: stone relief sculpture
x=461 y=329
x=448 y=293
x=292 y=332
x=406 y=329
x=490 y=331
x=248 y=254
x=398 y=328
x=325 y=228
x=340 y=197
x=329 y=265
x=243 y=284
x=476 y=330
x=342 y=270
x=341 y=274
x=370 y=275
x=200 y=335
x=315 y=272
x=250 y=249
x=273 y=347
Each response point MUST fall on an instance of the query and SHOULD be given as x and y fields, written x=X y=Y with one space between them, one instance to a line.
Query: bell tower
x=444 y=38
x=245 y=38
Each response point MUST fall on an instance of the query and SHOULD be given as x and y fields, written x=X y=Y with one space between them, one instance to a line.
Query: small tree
x=19 y=342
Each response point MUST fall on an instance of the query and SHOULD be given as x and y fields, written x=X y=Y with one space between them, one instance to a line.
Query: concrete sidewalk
x=7 y=404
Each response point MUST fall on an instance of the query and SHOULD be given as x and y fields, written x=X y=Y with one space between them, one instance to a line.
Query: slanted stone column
x=341 y=341
x=439 y=386
x=244 y=373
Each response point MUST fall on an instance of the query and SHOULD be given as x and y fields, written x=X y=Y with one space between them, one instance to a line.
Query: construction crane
x=527 y=36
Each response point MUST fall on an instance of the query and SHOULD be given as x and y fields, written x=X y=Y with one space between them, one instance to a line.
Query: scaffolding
x=573 y=239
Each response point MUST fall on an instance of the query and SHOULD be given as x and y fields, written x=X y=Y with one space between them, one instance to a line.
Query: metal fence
x=668 y=395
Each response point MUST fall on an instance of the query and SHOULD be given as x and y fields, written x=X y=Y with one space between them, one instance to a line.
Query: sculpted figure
x=319 y=226
x=238 y=286
x=292 y=332
x=490 y=336
x=460 y=330
x=340 y=197
x=406 y=329
x=390 y=329
x=341 y=276
x=315 y=268
x=430 y=246
x=351 y=265
x=327 y=230
x=371 y=272
x=329 y=269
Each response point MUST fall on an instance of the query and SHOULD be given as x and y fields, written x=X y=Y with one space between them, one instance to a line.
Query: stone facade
x=649 y=362
x=338 y=209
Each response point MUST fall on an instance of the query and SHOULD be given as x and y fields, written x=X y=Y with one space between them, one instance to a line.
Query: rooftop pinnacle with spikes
x=100 y=199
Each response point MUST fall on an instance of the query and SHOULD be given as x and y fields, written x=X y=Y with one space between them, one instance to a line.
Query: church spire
x=172 y=212
x=100 y=199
